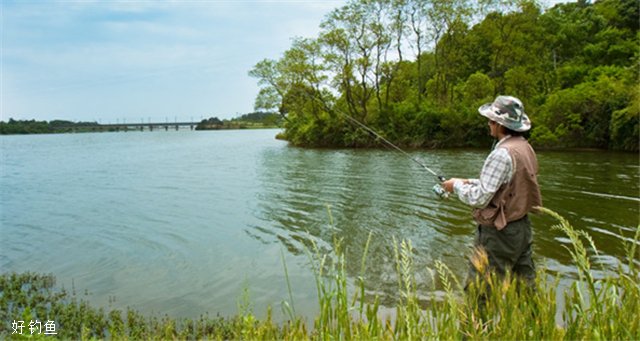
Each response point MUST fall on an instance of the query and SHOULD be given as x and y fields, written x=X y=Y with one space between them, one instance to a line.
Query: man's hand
x=448 y=185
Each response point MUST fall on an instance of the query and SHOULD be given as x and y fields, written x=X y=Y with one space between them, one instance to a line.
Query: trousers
x=508 y=250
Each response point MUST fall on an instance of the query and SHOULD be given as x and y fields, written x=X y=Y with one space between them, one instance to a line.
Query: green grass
x=593 y=309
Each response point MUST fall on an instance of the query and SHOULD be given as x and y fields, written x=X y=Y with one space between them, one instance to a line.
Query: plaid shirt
x=497 y=170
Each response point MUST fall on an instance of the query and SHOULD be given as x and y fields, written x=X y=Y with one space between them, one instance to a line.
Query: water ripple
x=180 y=222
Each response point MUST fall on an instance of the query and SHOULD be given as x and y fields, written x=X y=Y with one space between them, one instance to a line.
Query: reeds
x=491 y=307
x=604 y=308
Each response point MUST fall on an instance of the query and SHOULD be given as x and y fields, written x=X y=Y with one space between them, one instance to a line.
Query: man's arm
x=496 y=171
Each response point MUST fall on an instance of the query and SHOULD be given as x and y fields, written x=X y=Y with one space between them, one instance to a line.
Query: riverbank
x=256 y=120
x=593 y=307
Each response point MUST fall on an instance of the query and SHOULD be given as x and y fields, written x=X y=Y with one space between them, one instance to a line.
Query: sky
x=135 y=61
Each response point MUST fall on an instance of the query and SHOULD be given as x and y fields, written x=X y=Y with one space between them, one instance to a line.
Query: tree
x=272 y=95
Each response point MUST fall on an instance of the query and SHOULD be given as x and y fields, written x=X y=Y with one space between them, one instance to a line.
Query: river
x=186 y=223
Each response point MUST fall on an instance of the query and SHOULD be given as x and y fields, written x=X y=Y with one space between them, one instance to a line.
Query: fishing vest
x=516 y=198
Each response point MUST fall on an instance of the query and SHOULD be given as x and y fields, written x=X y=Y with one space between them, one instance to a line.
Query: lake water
x=183 y=223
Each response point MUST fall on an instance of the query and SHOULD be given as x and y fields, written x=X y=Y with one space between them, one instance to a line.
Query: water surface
x=184 y=222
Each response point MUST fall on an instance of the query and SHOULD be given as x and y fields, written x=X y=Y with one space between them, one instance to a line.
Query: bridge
x=151 y=126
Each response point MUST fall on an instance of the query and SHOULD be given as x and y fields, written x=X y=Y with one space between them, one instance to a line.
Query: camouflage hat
x=507 y=111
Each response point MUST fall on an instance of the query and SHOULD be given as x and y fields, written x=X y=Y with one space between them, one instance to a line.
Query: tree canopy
x=417 y=70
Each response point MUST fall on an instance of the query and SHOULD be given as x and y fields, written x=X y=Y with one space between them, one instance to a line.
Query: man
x=505 y=193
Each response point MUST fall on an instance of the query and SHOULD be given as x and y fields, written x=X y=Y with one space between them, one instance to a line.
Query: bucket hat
x=508 y=111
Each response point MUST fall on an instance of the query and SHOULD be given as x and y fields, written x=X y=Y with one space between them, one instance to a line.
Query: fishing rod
x=438 y=189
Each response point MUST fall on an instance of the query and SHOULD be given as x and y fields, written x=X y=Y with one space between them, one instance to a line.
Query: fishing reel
x=439 y=190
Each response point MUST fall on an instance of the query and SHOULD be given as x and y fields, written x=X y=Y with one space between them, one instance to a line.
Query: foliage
x=43 y=127
x=24 y=127
x=581 y=116
x=251 y=120
x=600 y=307
x=416 y=71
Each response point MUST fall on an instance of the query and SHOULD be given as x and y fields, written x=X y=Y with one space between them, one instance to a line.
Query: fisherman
x=505 y=193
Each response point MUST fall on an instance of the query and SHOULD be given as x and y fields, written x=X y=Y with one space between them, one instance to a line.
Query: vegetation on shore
x=594 y=308
x=253 y=120
x=43 y=127
x=416 y=72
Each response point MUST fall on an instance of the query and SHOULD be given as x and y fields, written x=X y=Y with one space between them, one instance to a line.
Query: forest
x=416 y=72
x=43 y=127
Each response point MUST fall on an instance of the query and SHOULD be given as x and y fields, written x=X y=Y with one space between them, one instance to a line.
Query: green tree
x=624 y=130
x=581 y=116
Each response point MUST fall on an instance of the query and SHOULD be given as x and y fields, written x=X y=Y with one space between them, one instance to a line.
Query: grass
x=491 y=308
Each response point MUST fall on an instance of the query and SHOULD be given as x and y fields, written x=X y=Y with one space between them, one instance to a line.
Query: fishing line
x=389 y=143
x=437 y=188
x=440 y=177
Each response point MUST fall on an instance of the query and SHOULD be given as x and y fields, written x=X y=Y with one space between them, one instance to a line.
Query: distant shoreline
x=102 y=129
x=257 y=120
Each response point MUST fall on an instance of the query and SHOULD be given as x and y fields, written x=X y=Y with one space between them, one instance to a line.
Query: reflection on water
x=384 y=194
x=182 y=222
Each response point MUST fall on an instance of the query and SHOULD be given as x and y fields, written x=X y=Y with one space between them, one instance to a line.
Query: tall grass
x=606 y=308
x=491 y=307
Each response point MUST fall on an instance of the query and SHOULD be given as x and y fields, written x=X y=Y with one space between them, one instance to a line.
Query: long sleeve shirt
x=496 y=171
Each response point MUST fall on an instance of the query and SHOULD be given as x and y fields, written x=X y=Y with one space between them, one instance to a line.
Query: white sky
x=138 y=60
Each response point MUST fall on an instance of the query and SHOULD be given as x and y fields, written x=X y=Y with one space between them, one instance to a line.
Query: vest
x=516 y=198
